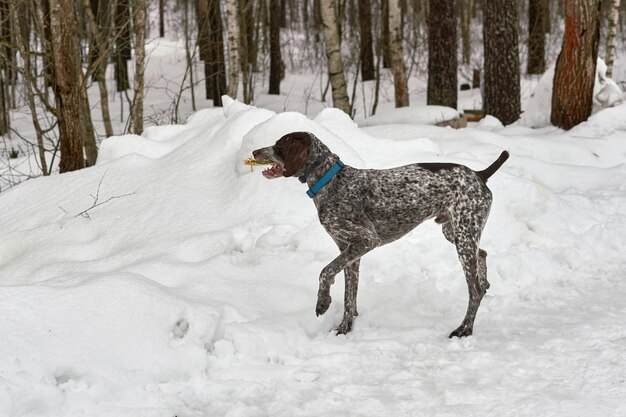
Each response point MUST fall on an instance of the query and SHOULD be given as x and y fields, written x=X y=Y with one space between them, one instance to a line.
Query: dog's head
x=289 y=155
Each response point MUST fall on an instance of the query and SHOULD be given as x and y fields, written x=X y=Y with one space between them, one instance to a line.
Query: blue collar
x=325 y=179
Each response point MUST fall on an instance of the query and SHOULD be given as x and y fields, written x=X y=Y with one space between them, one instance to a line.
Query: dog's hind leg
x=482 y=270
x=468 y=223
x=448 y=232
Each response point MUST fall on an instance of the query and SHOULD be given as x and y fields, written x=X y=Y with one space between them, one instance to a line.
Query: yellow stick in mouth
x=251 y=162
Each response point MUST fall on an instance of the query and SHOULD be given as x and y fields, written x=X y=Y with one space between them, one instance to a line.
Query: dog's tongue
x=274 y=171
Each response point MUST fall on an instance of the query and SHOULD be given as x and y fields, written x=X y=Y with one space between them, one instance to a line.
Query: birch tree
x=397 y=57
x=575 y=72
x=333 y=55
x=232 y=17
x=139 y=23
x=610 y=37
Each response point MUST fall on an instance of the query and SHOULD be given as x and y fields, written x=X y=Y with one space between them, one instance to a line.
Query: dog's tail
x=491 y=169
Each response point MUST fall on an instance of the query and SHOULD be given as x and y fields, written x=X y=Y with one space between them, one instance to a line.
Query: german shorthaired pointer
x=365 y=208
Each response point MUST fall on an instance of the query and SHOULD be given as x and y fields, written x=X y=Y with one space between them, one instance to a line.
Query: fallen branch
x=85 y=213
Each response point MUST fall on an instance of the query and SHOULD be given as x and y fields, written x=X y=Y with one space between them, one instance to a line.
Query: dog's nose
x=256 y=153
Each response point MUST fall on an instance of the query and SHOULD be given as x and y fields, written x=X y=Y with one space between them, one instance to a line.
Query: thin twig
x=85 y=213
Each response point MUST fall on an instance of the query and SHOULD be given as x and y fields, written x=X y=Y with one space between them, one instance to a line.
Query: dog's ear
x=295 y=148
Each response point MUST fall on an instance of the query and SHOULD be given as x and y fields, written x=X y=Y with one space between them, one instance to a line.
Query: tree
x=6 y=65
x=397 y=57
x=248 y=47
x=610 y=37
x=66 y=59
x=122 y=44
x=365 y=26
x=333 y=55
x=275 y=59
x=139 y=24
x=211 y=45
x=28 y=77
x=100 y=29
x=232 y=16
x=502 y=72
x=536 y=63
x=442 y=54
x=466 y=29
x=575 y=72
x=384 y=48
x=217 y=63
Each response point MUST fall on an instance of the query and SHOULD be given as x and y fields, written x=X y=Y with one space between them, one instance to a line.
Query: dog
x=362 y=209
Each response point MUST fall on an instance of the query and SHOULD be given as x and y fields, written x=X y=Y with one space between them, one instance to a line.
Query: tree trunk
x=385 y=48
x=502 y=72
x=5 y=52
x=610 y=37
x=333 y=55
x=122 y=44
x=46 y=44
x=536 y=37
x=66 y=58
x=367 y=56
x=202 y=15
x=275 y=47
x=99 y=53
x=139 y=24
x=466 y=30
x=189 y=57
x=232 y=15
x=246 y=19
x=215 y=70
x=574 y=76
x=29 y=82
x=442 y=57
x=89 y=137
x=162 y=19
x=317 y=14
x=397 y=57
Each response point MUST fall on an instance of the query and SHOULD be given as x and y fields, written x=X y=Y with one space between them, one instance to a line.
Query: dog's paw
x=323 y=302
x=345 y=327
x=461 y=331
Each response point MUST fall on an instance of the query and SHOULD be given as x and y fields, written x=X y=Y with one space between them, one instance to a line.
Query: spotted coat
x=362 y=209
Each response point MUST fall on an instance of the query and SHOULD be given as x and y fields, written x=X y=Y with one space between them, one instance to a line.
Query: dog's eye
x=278 y=151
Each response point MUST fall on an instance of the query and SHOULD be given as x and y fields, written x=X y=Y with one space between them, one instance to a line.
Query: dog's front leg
x=352 y=285
x=362 y=243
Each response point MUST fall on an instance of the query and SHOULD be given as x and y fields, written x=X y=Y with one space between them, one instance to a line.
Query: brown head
x=289 y=155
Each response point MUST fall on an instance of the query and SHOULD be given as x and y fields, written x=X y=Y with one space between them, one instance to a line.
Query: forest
x=147 y=271
x=63 y=62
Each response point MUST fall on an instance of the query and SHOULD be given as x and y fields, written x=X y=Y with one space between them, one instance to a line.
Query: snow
x=192 y=291
x=421 y=115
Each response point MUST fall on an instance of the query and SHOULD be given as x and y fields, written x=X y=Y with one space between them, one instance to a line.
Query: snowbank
x=417 y=115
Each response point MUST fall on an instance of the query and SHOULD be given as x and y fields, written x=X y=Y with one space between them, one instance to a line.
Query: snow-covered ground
x=191 y=290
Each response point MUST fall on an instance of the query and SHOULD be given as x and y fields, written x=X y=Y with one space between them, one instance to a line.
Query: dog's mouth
x=275 y=171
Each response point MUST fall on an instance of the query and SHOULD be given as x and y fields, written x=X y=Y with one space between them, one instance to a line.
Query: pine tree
x=575 y=72
x=502 y=72
x=442 y=54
